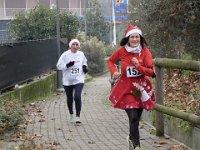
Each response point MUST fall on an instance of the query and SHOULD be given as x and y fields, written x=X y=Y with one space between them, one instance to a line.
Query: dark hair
x=124 y=41
x=143 y=42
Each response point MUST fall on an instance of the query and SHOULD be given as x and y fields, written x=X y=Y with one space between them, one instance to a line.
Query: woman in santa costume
x=132 y=91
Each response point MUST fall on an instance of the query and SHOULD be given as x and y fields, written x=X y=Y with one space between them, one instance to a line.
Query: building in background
x=8 y=9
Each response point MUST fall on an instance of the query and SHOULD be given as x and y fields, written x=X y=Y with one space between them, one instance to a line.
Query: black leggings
x=77 y=90
x=134 y=115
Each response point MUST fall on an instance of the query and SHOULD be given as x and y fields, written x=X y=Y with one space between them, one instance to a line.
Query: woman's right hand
x=71 y=63
x=116 y=75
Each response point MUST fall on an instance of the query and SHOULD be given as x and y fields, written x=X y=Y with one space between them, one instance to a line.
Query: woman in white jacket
x=73 y=64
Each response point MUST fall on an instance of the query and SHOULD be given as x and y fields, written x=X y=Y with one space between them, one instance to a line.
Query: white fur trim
x=144 y=96
x=73 y=41
x=134 y=31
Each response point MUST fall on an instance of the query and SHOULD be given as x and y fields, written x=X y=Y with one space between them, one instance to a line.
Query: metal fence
x=23 y=61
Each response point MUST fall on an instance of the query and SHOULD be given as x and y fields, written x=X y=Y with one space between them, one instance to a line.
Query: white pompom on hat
x=74 y=41
x=132 y=29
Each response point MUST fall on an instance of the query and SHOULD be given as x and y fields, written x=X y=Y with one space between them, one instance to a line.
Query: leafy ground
x=16 y=133
x=182 y=90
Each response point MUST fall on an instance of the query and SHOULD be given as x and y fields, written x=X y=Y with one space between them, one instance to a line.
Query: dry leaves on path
x=178 y=147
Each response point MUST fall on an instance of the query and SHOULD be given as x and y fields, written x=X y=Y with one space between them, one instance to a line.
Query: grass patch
x=34 y=90
x=11 y=115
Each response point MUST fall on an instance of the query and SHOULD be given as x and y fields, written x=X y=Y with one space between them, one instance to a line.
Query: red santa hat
x=132 y=29
x=74 y=41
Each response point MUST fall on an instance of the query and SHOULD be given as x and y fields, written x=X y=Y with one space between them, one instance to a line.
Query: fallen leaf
x=163 y=141
x=42 y=120
x=157 y=145
x=182 y=110
x=69 y=139
x=38 y=135
x=32 y=104
x=91 y=142
x=141 y=126
x=39 y=147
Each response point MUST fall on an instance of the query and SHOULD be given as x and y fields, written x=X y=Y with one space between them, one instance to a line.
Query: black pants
x=134 y=115
x=73 y=92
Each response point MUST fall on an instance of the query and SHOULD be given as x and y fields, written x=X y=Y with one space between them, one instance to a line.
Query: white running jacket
x=74 y=74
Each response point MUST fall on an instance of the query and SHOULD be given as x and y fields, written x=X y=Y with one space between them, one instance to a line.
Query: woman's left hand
x=135 y=62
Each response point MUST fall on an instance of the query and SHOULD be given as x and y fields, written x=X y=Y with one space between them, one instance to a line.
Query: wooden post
x=159 y=94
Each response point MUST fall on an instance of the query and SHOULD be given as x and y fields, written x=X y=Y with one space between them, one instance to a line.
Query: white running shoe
x=130 y=144
x=77 y=120
x=137 y=148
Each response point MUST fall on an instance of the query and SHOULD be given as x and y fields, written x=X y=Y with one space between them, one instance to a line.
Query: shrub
x=11 y=115
x=40 y=23
x=95 y=53
x=109 y=50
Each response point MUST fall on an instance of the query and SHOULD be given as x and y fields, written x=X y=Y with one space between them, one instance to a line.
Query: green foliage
x=153 y=117
x=184 y=126
x=69 y=25
x=187 y=73
x=81 y=37
x=175 y=105
x=120 y=28
x=96 y=24
x=170 y=26
x=11 y=115
x=109 y=50
x=40 y=23
x=94 y=51
x=187 y=56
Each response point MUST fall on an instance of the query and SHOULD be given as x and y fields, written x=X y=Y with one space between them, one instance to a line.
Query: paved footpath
x=102 y=128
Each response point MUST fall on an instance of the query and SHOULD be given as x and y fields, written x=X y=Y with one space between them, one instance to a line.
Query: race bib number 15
x=132 y=72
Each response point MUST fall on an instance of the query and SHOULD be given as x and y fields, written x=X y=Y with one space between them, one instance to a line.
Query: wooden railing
x=161 y=63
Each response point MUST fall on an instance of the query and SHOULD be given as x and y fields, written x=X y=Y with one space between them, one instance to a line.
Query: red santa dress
x=133 y=89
